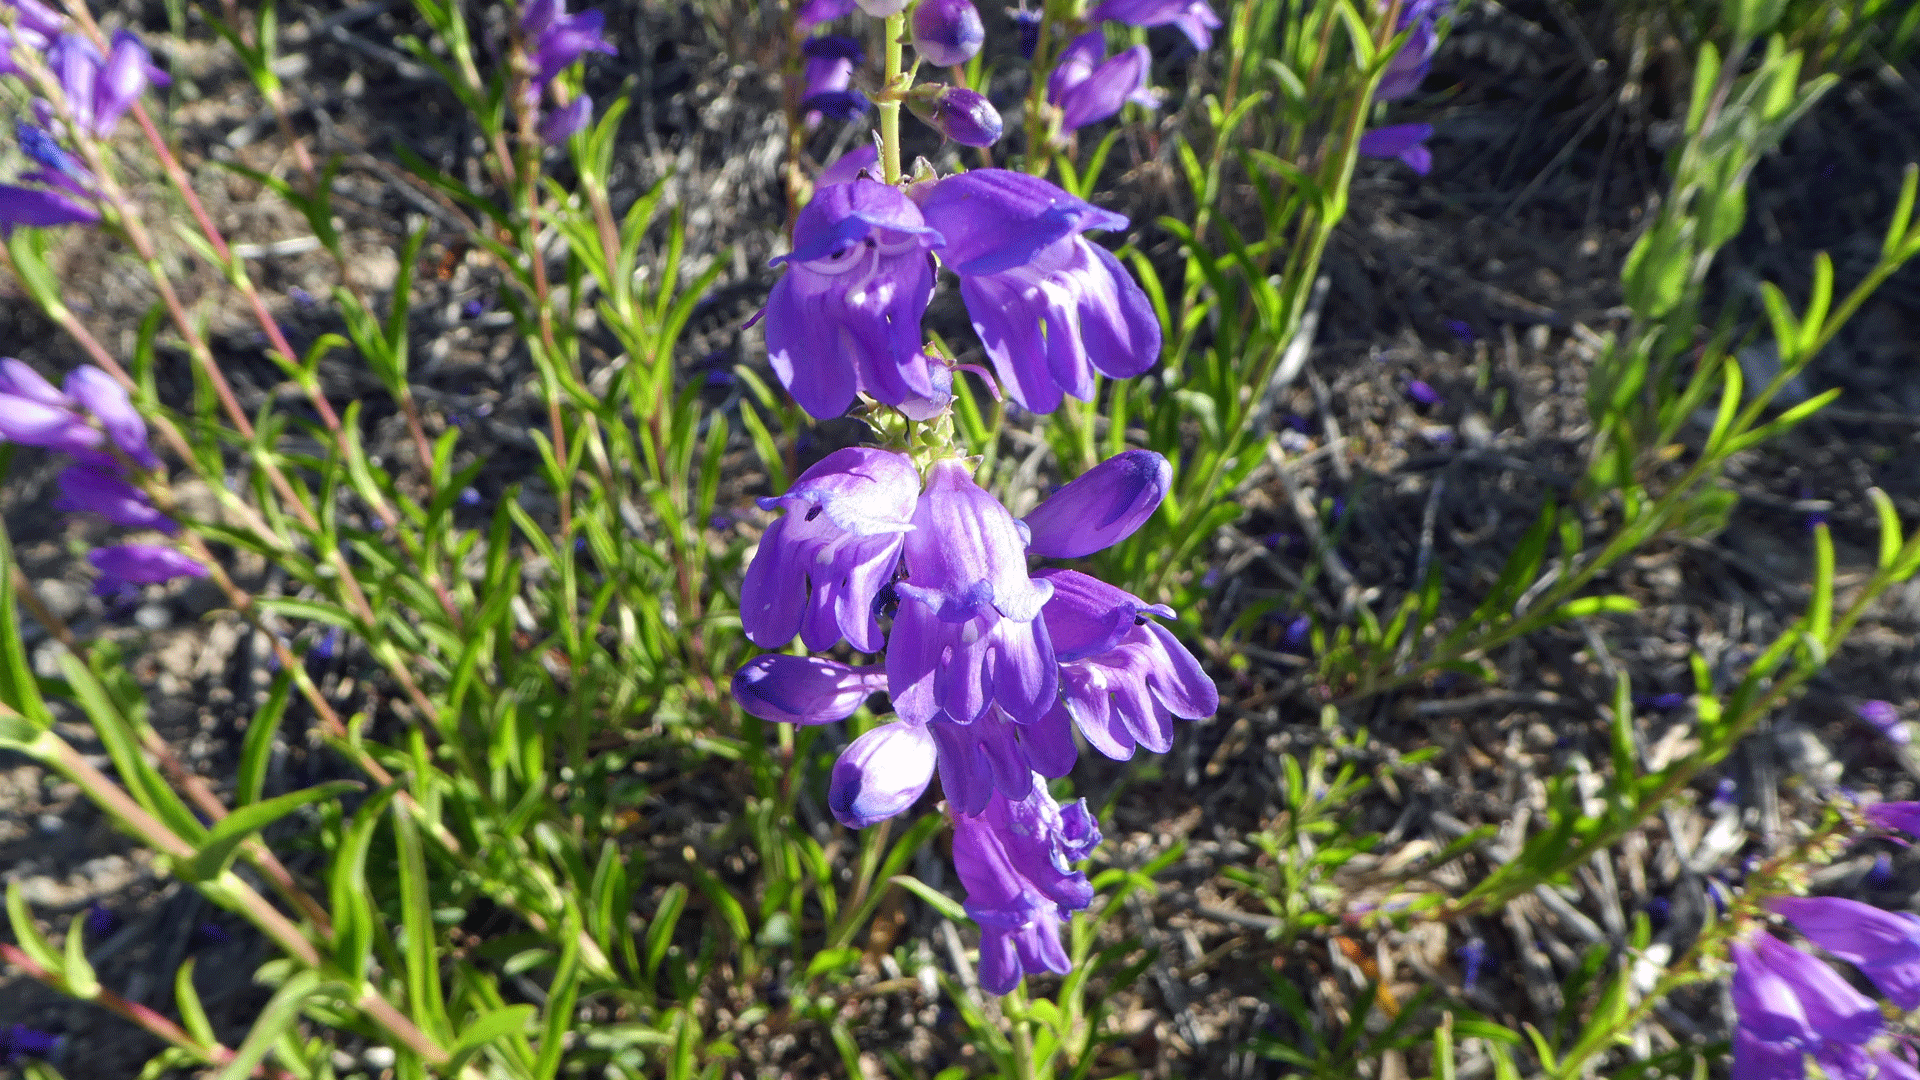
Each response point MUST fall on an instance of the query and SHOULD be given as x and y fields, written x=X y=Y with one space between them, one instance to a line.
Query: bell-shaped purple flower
x=820 y=566
x=804 y=689
x=1101 y=507
x=846 y=315
x=1050 y=307
x=32 y=423
x=881 y=774
x=100 y=89
x=960 y=114
x=1088 y=88
x=139 y=564
x=560 y=39
x=947 y=33
x=1123 y=677
x=1194 y=17
x=35 y=25
x=814 y=12
x=1884 y=945
x=1785 y=997
x=100 y=492
x=107 y=400
x=1016 y=860
x=1408 y=142
x=967 y=634
x=19 y=380
x=1410 y=65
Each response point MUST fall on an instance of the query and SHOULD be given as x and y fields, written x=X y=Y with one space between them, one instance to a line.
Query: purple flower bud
x=1027 y=23
x=829 y=78
x=1101 y=507
x=815 y=12
x=1723 y=793
x=1884 y=717
x=1884 y=945
x=20 y=1042
x=1880 y=874
x=804 y=689
x=841 y=105
x=1051 y=308
x=840 y=540
x=101 y=920
x=100 y=492
x=1299 y=636
x=1421 y=392
x=31 y=423
x=881 y=774
x=1408 y=66
x=947 y=32
x=1194 y=18
x=19 y=380
x=107 y=401
x=1404 y=141
x=1088 y=89
x=960 y=114
x=1898 y=816
x=41 y=208
x=139 y=564
x=563 y=123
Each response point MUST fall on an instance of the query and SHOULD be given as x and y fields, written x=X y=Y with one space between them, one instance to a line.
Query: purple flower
x=20 y=1042
x=1123 y=677
x=846 y=315
x=968 y=635
x=64 y=188
x=1101 y=507
x=1404 y=141
x=559 y=39
x=566 y=121
x=820 y=566
x=1027 y=23
x=19 y=380
x=1411 y=64
x=34 y=423
x=1421 y=391
x=1194 y=18
x=829 y=78
x=1473 y=957
x=848 y=166
x=99 y=90
x=815 y=12
x=1884 y=717
x=996 y=754
x=34 y=26
x=1884 y=945
x=139 y=564
x=947 y=32
x=881 y=774
x=1789 y=1004
x=101 y=920
x=804 y=689
x=96 y=391
x=1900 y=816
x=100 y=492
x=1088 y=89
x=1016 y=860
x=1050 y=307
x=960 y=114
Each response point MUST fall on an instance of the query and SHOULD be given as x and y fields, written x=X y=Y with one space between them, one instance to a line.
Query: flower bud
x=947 y=32
x=960 y=114
x=881 y=774
x=140 y=564
x=1102 y=507
x=803 y=689
x=563 y=123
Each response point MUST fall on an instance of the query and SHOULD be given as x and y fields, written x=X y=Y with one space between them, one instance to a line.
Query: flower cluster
x=96 y=92
x=1792 y=1005
x=558 y=41
x=92 y=420
x=1051 y=307
x=990 y=666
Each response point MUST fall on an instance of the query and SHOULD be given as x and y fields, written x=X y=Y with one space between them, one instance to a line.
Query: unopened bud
x=960 y=114
x=947 y=32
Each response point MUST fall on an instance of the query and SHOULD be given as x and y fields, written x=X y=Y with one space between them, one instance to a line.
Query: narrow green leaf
x=256 y=751
x=187 y=1000
x=282 y=1010
x=487 y=1028
x=660 y=930
x=416 y=910
x=939 y=901
x=217 y=851
x=80 y=979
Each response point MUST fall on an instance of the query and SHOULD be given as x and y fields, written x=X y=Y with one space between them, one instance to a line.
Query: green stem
x=890 y=92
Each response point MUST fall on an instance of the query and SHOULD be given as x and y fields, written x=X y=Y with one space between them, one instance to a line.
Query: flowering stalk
x=890 y=91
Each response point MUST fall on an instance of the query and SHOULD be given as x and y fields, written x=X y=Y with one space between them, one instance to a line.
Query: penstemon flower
x=1790 y=1005
x=829 y=78
x=1884 y=945
x=1015 y=858
x=1194 y=18
x=1089 y=87
x=1408 y=142
x=947 y=33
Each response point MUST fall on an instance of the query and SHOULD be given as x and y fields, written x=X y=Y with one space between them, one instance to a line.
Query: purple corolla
x=20 y=1042
x=960 y=114
x=62 y=191
x=1408 y=142
x=967 y=634
x=1886 y=719
x=947 y=32
x=881 y=774
x=35 y=25
x=1899 y=816
x=100 y=89
x=846 y=315
x=139 y=564
x=1016 y=860
x=996 y=754
x=814 y=12
x=1050 y=307
x=848 y=166
x=804 y=689
x=820 y=566
x=107 y=400
x=1088 y=88
x=829 y=91
x=566 y=121
x=1884 y=945
x=560 y=39
x=1194 y=18
x=1790 y=1004
x=1123 y=677
x=34 y=423
x=1100 y=507
x=96 y=490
